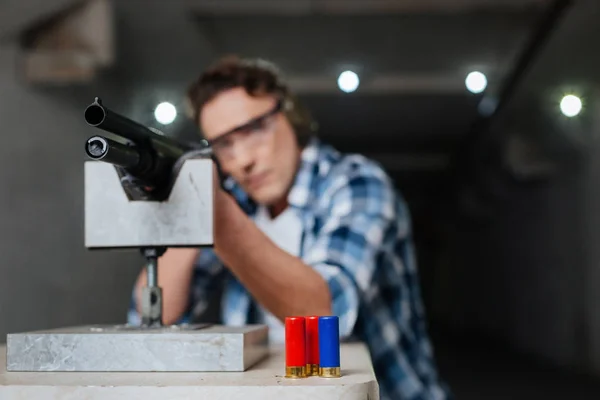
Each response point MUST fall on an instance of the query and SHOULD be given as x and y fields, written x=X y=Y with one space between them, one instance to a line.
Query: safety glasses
x=251 y=133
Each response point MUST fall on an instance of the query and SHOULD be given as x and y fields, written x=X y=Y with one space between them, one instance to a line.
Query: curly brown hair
x=258 y=77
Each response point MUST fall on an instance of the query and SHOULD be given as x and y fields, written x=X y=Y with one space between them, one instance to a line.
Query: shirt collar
x=309 y=167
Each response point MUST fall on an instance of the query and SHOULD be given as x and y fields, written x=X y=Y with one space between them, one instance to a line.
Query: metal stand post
x=152 y=293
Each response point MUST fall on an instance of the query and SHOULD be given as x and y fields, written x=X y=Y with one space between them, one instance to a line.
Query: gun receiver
x=148 y=155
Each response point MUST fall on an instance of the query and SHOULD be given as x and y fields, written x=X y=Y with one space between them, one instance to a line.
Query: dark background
x=506 y=207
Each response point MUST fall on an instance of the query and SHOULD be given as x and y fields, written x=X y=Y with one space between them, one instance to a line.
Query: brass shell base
x=295 y=372
x=312 y=369
x=330 y=372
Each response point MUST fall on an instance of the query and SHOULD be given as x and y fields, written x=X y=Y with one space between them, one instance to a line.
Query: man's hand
x=227 y=215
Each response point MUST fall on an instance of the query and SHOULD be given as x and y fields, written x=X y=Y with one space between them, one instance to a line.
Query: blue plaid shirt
x=357 y=235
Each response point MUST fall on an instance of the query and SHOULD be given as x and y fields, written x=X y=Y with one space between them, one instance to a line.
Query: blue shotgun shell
x=329 y=346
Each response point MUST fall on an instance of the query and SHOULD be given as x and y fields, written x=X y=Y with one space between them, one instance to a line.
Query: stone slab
x=264 y=380
x=197 y=348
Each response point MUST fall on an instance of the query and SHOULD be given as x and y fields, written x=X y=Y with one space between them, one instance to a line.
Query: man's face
x=254 y=143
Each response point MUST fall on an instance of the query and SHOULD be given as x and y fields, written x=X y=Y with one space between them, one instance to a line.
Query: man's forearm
x=281 y=282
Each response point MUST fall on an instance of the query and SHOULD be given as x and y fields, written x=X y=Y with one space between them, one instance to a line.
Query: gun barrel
x=103 y=118
x=107 y=150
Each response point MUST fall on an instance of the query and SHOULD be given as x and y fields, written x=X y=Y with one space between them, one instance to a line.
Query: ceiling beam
x=397 y=162
x=397 y=84
x=355 y=7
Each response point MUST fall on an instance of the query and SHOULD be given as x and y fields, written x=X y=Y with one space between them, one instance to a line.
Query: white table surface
x=264 y=380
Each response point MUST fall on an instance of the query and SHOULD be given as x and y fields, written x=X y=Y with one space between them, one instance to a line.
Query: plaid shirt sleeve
x=349 y=236
x=207 y=268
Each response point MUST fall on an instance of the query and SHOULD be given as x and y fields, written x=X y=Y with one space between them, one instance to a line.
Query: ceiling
x=412 y=111
x=412 y=57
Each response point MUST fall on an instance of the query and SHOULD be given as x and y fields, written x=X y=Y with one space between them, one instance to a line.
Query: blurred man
x=300 y=229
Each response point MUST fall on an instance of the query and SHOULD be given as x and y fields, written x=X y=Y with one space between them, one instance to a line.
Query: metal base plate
x=120 y=348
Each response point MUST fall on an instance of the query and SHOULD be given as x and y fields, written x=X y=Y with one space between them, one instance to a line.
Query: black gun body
x=107 y=150
x=148 y=156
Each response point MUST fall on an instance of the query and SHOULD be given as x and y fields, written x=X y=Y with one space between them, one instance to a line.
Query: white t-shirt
x=286 y=232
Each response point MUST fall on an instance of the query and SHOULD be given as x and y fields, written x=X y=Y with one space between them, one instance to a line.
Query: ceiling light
x=476 y=82
x=348 y=81
x=165 y=113
x=570 y=105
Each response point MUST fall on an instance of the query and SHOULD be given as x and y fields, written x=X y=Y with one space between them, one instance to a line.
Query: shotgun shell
x=312 y=346
x=295 y=347
x=329 y=347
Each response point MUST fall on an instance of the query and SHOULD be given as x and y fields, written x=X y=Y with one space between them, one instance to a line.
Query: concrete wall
x=591 y=292
x=528 y=275
x=47 y=278
x=519 y=278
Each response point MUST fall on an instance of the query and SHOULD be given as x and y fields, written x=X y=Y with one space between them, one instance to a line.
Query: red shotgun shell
x=312 y=346
x=295 y=347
